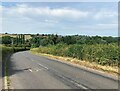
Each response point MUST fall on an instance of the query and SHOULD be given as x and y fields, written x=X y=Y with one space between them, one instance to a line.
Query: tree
x=69 y=40
x=6 y=40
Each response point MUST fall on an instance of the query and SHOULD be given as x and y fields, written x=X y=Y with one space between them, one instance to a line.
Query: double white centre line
x=65 y=78
x=43 y=66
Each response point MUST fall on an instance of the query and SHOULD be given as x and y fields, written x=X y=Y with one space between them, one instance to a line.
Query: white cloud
x=30 y=18
x=0 y=18
x=99 y=27
x=69 y=13
x=108 y=25
x=50 y=21
x=102 y=14
x=46 y=11
x=0 y=8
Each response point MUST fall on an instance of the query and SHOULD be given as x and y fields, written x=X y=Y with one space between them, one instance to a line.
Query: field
x=27 y=36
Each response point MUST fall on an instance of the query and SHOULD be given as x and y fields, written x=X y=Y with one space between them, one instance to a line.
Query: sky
x=63 y=18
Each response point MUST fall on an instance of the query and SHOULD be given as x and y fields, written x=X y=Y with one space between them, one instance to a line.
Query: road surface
x=28 y=71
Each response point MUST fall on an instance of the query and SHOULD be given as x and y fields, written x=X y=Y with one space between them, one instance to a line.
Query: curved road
x=28 y=71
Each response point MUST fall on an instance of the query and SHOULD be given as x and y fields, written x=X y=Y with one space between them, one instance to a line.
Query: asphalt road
x=28 y=71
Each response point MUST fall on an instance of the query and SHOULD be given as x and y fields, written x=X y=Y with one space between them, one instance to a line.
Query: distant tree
x=37 y=34
x=69 y=40
x=22 y=38
x=6 y=33
x=51 y=39
x=6 y=40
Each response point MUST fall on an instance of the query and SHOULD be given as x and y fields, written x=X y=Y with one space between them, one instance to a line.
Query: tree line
x=37 y=40
x=19 y=39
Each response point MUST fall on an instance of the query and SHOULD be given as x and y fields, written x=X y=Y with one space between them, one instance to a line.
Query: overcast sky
x=63 y=18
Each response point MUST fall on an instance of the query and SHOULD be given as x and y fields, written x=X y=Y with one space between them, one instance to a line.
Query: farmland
x=27 y=36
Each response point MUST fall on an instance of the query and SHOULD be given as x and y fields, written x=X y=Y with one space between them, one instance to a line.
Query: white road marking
x=43 y=66
x=5 y=83
x=79 y=85
x=37 y=70
x=34 y=70
x=30 y=70
x=72 y=81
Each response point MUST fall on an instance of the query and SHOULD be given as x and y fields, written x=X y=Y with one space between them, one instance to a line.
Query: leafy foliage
x=6 y=40
x=102 y=50
x=51 y=39
x=104 y=54
x=5 y=51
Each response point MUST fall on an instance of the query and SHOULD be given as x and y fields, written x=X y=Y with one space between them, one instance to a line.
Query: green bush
x=5 y=51
x=104 y=54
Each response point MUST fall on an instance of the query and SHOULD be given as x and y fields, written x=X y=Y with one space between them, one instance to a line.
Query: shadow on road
x=11 y=68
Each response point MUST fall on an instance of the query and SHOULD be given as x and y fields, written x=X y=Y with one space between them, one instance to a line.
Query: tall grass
x=104 y=54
